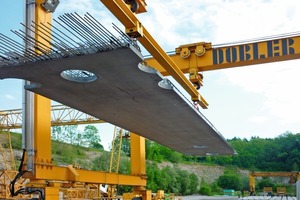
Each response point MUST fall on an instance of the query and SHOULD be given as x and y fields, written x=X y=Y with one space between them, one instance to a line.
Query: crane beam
x=277 y=174
x=229 y=56
x=58 y=173
x=61 y=115
x=135 y=29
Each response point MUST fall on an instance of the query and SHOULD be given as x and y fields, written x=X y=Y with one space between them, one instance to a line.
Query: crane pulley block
x=198 y=48
x=185 y=52
x=195 y=77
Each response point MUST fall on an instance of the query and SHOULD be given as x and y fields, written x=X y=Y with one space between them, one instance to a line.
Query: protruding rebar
x=72 y=35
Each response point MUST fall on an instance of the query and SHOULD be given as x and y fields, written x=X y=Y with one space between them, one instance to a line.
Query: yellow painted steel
x=135 y=29
x=57 y=173
x=138 y=164
x=61 y=115
x=292 y=175
x=138 y=157
x=42 y=130
x=116 y=150
x=42 y=105
x=274 y=50
x=6 y=177
x=52 y=193
x=275 y=174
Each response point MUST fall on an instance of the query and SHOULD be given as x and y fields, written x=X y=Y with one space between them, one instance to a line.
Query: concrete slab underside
x=125 y=96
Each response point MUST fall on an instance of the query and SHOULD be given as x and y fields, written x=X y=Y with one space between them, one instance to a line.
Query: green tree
x=70 y=134
x=229 y=181
x=153 y=151
x=91 y=137
x=173 y=185
x=66 y=134
x=153 y=174
x=265 y=182
x=185 y=182
x=56 y=133
x=194 y=183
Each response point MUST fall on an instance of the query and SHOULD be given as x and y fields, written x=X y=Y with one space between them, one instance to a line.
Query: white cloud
x=258 y=119
x=239 y=20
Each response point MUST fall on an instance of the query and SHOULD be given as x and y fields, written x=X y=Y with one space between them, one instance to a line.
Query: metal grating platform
x=109 y=85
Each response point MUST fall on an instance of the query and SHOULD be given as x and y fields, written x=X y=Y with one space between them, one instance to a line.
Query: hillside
x=207 y=173
x=64 y=154
x=177 y=173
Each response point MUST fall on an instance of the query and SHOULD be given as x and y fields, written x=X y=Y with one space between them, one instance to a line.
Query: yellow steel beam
x=57 y=173
x=134 y=27
x=279 y=49
x=60 y=115
x=277 y=174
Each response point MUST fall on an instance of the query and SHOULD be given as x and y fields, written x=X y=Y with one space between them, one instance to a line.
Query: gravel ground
x=198 y=197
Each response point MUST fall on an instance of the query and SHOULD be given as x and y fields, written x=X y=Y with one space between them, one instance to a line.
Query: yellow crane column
x=41 y=117
x=138 y=163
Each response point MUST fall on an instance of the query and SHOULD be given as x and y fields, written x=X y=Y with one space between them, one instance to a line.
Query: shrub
x=205 y=190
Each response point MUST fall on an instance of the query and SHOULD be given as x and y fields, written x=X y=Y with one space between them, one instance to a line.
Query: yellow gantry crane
x=294 y=177
x=46 y=179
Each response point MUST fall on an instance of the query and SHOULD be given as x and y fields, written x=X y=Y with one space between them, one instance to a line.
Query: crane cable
x=260 y=39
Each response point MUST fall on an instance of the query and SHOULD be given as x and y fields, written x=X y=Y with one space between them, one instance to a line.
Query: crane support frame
x=252 y=175
x=236 y=55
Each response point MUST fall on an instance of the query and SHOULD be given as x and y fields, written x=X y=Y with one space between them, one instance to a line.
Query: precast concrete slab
x=109 y=85
x=126 y=96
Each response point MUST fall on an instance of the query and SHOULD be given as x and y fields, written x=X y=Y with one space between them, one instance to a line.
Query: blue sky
x=259 y=100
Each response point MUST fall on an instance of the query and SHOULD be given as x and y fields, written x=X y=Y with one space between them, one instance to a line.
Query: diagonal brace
x=130 y=21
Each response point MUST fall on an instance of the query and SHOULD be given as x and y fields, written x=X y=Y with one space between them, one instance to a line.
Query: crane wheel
x=134 y=6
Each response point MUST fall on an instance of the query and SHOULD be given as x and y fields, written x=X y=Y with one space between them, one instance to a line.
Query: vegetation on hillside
x=279 y=154
x=256 y=154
